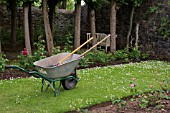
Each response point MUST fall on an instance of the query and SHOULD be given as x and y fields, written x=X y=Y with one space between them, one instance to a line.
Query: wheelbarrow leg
x=54 y=88
x=59 y=89
x=43 y=82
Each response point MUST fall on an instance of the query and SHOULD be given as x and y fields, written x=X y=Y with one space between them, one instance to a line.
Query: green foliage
x=137 y=3
x=26 y=60
x=67 y=45
x=164 y=28
x=135 y=54
x=68 y=42
x=145 y=56
x=70 y=5
x=3 y=61
x=166 y=84
x=120 y=103
x=99 y=57
x=40 y=53
x=121 y=54
x=94 y=4
x=151 y=10
x=152 y=99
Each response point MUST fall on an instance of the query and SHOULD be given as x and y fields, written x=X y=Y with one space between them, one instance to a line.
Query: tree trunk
x=137 y=36
x=93 y=27
x=13 y=7
x=48 y=33
x=77 y=24
x=26 y=28
x=113 y=26
x=51 y=4
x=130 y=26
x=30 y=24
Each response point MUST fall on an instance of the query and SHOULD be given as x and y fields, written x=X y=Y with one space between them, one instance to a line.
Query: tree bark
x=130 y=26
x=13 y=8
x=113 y=26
x=51 y=4
x=48 y=33
x=30 y=23
x=93 y=27
x=26 y=28
x=77 y=24
x=137 y=36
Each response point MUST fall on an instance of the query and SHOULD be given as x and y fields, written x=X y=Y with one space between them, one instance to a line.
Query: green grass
x=96 y=85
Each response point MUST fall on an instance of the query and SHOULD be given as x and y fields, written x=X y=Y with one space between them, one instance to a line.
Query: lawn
x=96 y=85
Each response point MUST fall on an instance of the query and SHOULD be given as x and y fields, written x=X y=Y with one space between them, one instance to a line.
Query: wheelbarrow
x=60 y=67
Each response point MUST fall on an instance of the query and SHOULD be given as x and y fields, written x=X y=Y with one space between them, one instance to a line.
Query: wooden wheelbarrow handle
x=74 y=51
x=95 y=45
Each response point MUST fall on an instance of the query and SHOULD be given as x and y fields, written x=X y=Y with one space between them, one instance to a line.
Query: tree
x=26 y=27
x=93 y=4
x=51 y=5
x=113 y=26
x=136 y=3
x=12 y=6
x=30 y=22
x=48 y=32
x=77 y=24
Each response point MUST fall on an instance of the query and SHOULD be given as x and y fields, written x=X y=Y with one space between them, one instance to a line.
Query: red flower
x=25 y=52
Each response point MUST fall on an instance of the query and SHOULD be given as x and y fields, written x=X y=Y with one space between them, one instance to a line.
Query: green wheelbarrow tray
x=49 y=71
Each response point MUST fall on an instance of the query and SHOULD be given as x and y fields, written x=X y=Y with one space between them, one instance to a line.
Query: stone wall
x=63 y=25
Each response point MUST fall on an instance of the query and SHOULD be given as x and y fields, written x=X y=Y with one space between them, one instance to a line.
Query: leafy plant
x=164 y=27
x=40 y=53
x=166 y=84
x=96 y=57
x=120 y=103
x=2 y=61
x=68 y=43
x=25 y=59
x=145 y=56
x=121 y=54
x=135 y=54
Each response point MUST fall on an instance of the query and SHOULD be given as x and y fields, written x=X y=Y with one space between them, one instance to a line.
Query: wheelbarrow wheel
x=69 y=83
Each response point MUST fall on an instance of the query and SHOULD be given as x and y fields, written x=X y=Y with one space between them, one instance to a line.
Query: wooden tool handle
x=95 y=45
x=74 y=51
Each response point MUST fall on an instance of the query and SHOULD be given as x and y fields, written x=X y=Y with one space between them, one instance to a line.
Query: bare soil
x=107 y=107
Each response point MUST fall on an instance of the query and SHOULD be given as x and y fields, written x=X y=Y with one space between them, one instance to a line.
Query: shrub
x=2 y=61
x=40 y=53
x=96 y=57
x=135 y=54
x=121 y=54
x=26 y=60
